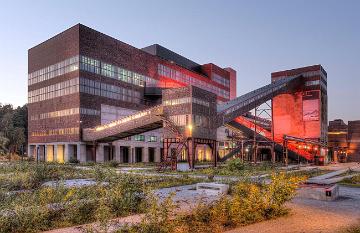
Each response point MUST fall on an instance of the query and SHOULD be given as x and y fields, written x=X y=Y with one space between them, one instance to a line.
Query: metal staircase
x=171 y=157
x=247 y=126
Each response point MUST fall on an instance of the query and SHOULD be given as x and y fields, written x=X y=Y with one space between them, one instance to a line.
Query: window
x=152 y=139
x=109 y=91
x=187 y=79
x=115 y=72
x=56 y=90
x=52 y=132
x=179 y=120
x=52 y=71
x=139 y=138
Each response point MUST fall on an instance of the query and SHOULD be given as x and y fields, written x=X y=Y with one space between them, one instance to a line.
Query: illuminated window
x=139 y=138
x=152 y=139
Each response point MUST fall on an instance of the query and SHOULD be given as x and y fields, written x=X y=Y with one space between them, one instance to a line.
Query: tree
x=13 y=128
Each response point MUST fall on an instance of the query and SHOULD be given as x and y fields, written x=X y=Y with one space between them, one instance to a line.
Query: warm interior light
x=190 y=127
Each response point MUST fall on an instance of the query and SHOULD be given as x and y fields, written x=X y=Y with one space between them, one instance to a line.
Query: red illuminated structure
x=303 y=112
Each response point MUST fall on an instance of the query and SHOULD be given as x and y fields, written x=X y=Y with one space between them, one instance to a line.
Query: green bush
x=47 y=207
x=236 y=165
x=248 y=203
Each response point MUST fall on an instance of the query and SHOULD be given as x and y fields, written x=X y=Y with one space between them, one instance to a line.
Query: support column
x=166 y=149
x=44 y=153
x=214 y=151
x=131 y=154
x=81 y=152
x=100 y=153
x=117 y=153
x=55 y=152
x=157 y=158
x=30 y=153
x=145 y=154
x=191 y=153
x=111 y=152
x=67 y=152
x=273 y=158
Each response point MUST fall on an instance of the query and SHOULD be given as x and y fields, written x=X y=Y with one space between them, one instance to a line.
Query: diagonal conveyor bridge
x=151 y=118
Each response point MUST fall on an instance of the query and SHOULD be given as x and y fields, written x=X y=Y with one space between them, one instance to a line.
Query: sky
x=255 y=37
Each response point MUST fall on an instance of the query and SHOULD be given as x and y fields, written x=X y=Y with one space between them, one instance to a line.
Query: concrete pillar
x=100 y=153
x=67 y=151
x=117 y=153
x=81 y=152
x=145 y=154
x=157 y=158
x=45 y=153
x=30 y=152
x=132 y=155
x=55 y=152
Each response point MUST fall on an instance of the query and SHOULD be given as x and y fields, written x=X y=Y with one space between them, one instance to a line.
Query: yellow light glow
x=190 y=127
x=337 y=133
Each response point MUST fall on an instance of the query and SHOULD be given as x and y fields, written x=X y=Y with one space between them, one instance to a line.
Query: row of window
x=56 y=90
x=316 y=82
x=308 y=74
x=172 y=102
x=90 y=65
x=86 y=86
x=65 y=112
x=185 y=100
x=141 y=138
x=49 y=72
x=109 y=91
x=180 y=120
x=221 y=80
x=115 y=72
x=54 y=132
x=183 y=120
x=184 y=78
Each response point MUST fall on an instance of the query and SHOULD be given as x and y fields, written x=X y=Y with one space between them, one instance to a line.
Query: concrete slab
x=319 y=192
x=213 y=188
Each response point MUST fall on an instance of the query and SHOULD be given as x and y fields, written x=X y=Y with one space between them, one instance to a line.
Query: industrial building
x=344 y=140
x=82 y=78
x=94 y=98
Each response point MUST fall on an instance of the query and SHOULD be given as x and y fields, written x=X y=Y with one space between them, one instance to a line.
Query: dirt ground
x=312 y=216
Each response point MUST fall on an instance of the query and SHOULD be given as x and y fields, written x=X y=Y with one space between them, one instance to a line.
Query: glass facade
x=187 y=79
x=185 y=100
x=65 y=112
x=52 y=91
x=221 y=80
x=54 y=132
x=90 y=65
x=109 y=91
x=49 y=72
x=115 y=72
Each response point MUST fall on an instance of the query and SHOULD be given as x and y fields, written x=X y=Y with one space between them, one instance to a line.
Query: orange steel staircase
x=249 y=124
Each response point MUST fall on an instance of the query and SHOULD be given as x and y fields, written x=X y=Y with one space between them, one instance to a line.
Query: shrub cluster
x=247 y=204
x=48 y=208
x=25 y=175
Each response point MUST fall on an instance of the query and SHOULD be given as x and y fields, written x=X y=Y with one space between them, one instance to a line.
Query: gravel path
x=313 y=216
